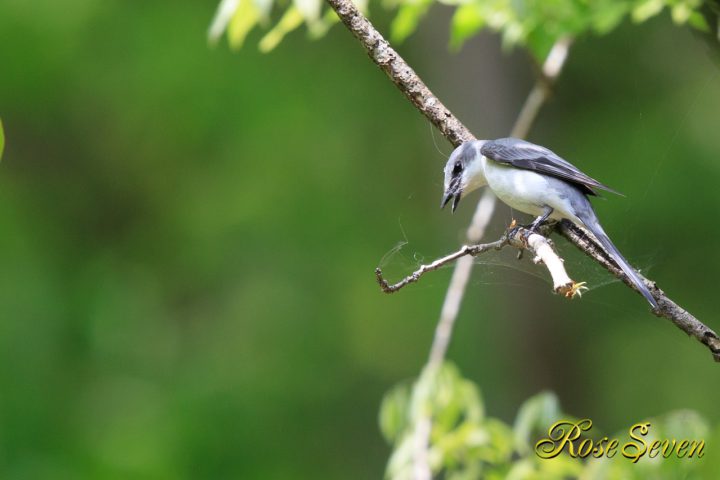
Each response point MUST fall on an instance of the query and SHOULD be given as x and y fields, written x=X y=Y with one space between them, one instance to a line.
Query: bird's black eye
x=457 y=168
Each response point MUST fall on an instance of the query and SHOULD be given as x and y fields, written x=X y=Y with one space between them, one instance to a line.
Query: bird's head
x=464 y=172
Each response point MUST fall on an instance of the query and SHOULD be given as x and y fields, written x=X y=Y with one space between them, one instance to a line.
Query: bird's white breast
x=528 y=191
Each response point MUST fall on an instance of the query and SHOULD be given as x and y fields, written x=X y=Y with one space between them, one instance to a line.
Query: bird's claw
x=576 y=289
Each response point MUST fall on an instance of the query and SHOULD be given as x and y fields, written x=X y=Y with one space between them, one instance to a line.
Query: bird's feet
x=534 y=227
x=574 y=289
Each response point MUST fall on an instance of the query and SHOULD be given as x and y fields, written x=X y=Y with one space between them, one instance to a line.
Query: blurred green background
x=189 y=237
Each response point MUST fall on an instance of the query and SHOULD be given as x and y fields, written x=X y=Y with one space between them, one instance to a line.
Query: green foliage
x=682 y=424
x=534 y=24
x=2 y=139
x=534 y=415
x=409 y=15
x=467 y=20
x=465 y=443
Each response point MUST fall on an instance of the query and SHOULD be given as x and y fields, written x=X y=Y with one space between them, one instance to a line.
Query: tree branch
x=519 y=237
x=680 y=317
x=472 y=250
x=400 y=73
x=383 y=55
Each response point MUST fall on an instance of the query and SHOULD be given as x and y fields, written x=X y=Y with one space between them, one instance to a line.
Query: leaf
x=470 y=472
x=245 y=18
x=608 y=16
x=400 y=463
x=682 y=424
x=309 y=9
x=562 y=466
x=699 y=22
x=291 y=19
x=264 y=6
x=407 y=19
x=320 y=28
x=540 y=42
x=466 y=21
x=512 y=34
x=647 y=9
x=223 y=15
x=499 y=447
x=394 y=408
x=681 y=13
x=2 y=139
x=536 y=413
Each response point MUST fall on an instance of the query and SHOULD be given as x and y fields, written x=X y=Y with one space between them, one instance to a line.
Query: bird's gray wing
x=528 y=156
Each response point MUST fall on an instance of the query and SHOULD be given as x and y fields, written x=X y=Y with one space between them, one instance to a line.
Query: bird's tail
x=592 y=224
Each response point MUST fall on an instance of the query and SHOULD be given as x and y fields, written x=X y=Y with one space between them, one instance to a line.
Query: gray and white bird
x=533 y=180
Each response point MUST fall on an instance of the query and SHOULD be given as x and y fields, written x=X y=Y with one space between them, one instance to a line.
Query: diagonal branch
x=400 y=73
x=680 y=317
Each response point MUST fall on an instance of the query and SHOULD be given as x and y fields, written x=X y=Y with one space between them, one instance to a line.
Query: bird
x=534 y=180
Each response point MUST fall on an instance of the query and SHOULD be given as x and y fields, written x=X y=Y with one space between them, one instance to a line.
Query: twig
x=551 y=69
x=472 y=250
x=682 y=319
x=519 y=237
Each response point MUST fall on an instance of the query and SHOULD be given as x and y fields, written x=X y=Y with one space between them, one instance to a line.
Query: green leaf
x=499 y=447
x=2 y=139
x=470 y=472
x=407 y=19
x=394 y=412
x=400 y=465
x=513 y=34
x=647 y=9
x=699 y=22
x=540 y=42
x=320 y=28
x=681 y=13
x=466 y=21
x=246 y=16
x=223 y=15
x=608 y=16
x=537 y=413
x=310 y=9
x=682 y=424
x=291 y=20
x=562 y=466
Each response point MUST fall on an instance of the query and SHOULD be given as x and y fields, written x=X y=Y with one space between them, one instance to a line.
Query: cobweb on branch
x=500 y=268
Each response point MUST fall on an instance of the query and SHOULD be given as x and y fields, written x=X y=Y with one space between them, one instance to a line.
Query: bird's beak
x=456 y=201
x=452 y=192
x=445 y=199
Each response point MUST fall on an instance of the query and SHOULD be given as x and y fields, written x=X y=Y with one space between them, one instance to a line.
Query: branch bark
x=400 y=73
x=680 y=317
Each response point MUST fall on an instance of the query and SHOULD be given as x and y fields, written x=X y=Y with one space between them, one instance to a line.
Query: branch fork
x=541 y=247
